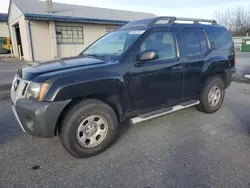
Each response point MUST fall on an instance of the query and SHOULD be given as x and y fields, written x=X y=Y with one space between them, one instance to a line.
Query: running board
x=168 y=111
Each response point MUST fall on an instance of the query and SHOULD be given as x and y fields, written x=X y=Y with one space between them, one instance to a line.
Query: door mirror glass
x=148 y=55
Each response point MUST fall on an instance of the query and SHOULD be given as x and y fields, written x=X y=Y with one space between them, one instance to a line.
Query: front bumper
x=38 y=119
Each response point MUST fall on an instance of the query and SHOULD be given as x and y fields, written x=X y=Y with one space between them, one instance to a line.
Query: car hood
x=33 y=70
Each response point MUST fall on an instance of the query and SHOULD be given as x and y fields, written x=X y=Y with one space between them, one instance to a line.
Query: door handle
x=177 y=67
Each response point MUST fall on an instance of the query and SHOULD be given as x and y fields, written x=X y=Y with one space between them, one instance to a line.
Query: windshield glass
x=113 y=45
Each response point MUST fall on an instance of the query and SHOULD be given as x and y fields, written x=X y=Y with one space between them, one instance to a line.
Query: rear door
x=196 y=49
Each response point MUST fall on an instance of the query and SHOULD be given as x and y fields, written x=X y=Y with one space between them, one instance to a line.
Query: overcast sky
x=184 y=8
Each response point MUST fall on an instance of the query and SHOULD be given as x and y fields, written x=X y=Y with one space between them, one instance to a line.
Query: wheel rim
x=214 y=96
x=92 y=131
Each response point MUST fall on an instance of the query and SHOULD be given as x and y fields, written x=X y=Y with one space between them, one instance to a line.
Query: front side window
x=114 y=44
x=163 y=43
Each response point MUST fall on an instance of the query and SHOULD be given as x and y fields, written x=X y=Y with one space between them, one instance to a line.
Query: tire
x=76 y=126
x=210 y=84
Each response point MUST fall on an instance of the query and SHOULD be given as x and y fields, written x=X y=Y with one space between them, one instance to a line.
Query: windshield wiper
x=95 y=56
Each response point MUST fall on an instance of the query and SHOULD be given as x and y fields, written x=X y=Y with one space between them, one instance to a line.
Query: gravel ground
x=184 y=149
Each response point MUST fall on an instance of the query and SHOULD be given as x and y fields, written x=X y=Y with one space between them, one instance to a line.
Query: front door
x=157 y=82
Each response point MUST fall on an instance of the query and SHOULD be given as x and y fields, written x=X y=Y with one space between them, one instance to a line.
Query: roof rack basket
x=171 y=20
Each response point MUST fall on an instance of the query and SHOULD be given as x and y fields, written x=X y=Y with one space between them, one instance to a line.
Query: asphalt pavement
x=8 y=69
x=185 y=149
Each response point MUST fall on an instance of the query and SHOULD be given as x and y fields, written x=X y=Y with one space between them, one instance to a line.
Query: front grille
x=24 y=89
x=20 y=91
x=16 y=84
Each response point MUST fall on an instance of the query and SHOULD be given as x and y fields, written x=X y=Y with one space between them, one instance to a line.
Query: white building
x=4 y=31
x=42 y=30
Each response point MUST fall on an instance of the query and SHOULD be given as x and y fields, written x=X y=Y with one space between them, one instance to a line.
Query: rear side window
x=203 y=41
x=192 y=43
x=220 y=37
x=195 y=42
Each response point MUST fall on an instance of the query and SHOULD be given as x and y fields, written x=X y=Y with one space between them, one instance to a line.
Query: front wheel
x=89 y=128
x=212 y=95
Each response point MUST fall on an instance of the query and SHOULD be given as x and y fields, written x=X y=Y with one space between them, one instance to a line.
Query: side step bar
x=172 y=109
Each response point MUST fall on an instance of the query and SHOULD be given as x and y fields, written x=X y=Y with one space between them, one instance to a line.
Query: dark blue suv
x=146 y=69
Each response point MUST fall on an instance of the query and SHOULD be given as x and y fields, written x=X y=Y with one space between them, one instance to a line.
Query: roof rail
x=171 y=20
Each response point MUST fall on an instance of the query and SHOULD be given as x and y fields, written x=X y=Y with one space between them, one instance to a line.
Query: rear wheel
x=89 y=128
x=212 y=95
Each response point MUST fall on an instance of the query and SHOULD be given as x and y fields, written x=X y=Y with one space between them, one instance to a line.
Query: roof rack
x=171 y=20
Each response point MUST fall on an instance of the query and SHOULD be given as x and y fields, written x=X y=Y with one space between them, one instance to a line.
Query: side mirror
x=148 y=55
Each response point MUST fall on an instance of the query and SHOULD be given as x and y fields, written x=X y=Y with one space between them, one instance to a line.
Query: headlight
x=37 y=91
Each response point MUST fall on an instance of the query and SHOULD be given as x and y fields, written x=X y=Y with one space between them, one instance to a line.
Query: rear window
x=220 y=37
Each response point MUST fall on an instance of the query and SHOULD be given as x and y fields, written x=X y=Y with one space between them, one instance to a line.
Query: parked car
x=146 y=69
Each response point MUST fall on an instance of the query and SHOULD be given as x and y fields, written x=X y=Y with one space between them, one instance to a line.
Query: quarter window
x=69 y=34
x=220 y=37
x=203 y=41
x=163 y=43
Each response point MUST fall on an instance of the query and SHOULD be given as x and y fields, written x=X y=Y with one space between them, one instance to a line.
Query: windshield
x=113 y=45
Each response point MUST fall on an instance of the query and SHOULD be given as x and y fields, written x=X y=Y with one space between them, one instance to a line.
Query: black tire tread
x=87 y=106
x=203 y=106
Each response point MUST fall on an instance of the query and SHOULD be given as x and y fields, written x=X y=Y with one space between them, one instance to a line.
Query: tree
x=236 y=20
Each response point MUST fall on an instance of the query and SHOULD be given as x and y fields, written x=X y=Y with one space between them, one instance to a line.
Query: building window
x=111 y=29
x=69 y=34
